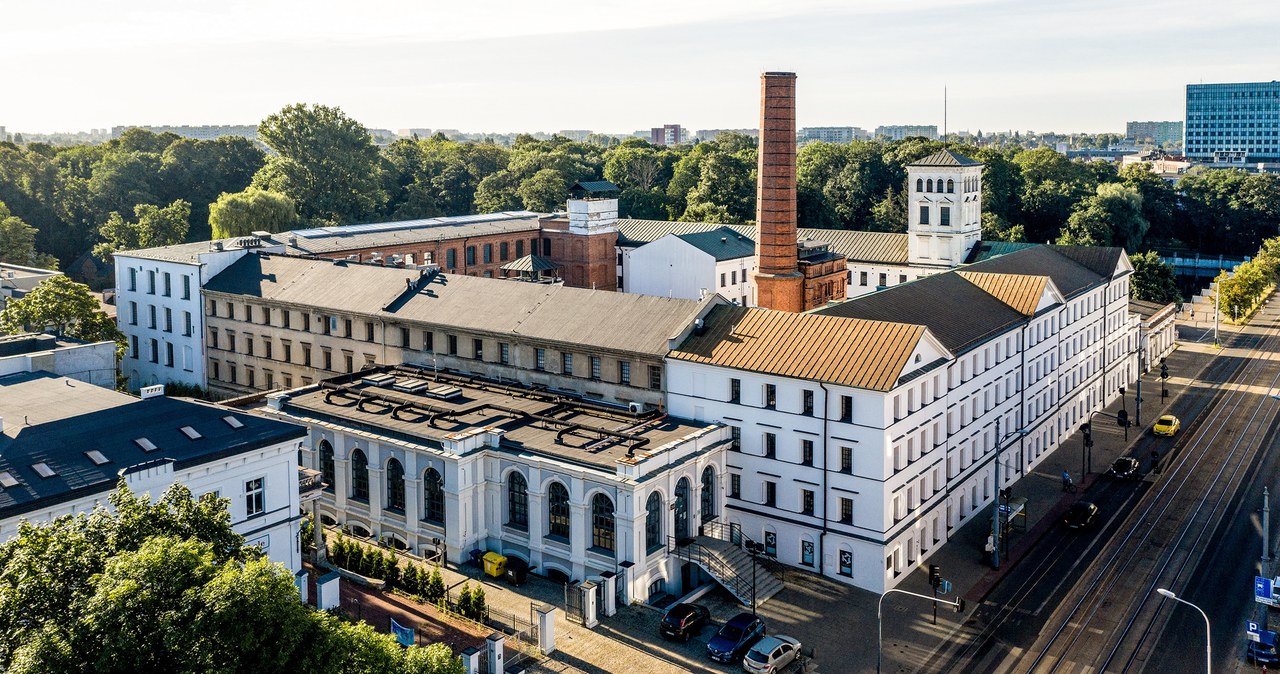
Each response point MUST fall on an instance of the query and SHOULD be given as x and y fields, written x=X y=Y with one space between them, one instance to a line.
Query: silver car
x=771 y=654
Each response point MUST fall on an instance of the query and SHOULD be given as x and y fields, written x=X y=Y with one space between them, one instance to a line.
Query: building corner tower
x=779 y=283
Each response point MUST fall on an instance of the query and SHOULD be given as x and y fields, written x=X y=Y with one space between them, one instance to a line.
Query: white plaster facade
x=672 y=267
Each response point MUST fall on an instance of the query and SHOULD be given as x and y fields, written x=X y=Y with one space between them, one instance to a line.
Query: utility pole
x=1217 y=307
x=995 y=507
x=1266 y=525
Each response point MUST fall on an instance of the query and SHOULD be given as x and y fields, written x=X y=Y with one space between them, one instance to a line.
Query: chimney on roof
x=779 y=284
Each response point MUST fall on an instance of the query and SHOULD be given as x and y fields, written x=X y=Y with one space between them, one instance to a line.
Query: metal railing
x=732 y=533
x=728 y=576
x=309 y=480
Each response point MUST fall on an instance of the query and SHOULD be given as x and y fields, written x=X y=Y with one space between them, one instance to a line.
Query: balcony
x=310 y=484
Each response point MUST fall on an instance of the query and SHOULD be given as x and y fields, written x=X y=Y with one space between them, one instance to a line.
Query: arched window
x=433 y=496
x=359 y=476
x=517 y=502
x=327 y=472
x=682 y=509
x=395 y=485
x=653 y=522
x=602 y=536
x=919 y=184
x=708 y=494
x=930 y=184
x=951 y=185
x=557 y=510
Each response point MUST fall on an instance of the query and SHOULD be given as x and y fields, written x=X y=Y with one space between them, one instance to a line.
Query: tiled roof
x=946 y=158
x=958 y=313
x=860 y=246
x=1022 y=293
x=859 y=353
x=722 y=244
x=55 y=421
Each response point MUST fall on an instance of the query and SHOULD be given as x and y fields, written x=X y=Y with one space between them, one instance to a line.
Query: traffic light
x=1005 y=493
x=1121 y=390
x=1122 y=418
x=935 y=575
x=1164 y=370
x=1087 y=428
x=959 y=604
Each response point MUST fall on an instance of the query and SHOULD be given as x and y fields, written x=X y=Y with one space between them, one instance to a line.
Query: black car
x=1124 y=468
x=1081 y=515
x=735 y=637
x=684 y=621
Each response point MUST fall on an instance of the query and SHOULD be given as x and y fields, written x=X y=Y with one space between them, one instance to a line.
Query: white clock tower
x=944 y=204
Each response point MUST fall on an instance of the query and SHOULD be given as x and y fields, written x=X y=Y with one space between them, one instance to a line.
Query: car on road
x=733 y=638
x=1124 y=468
x=1166 y=425
x=1262 y=651
x=1080 y=515
x=684 y=621
x=771 y=654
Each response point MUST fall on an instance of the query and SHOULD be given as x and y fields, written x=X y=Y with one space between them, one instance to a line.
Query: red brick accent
x=779 y=284
x=586 y=261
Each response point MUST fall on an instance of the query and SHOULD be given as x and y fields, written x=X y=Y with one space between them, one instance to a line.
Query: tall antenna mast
x=944 y=113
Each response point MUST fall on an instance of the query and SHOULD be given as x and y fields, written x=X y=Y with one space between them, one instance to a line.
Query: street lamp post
x=995 y=508
x=1208 y=648
x=957 y=604
x=752 y=549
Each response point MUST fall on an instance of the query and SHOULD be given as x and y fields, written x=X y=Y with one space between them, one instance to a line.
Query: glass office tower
x=1233 y=123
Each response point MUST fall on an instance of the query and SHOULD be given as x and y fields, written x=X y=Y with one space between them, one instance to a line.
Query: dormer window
x=7 y=480
x=43 y=470
x=96 y=457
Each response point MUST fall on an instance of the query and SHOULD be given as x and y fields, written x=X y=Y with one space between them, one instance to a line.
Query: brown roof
x=1022 y=293
x=847 y=351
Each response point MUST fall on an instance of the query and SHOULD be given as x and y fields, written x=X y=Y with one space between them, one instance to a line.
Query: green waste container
x=495 y=564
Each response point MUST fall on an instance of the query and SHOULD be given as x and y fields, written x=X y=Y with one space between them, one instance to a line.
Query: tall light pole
x=1217 y=305
x=958 y=605
x=1208 y=648
x=995 y=508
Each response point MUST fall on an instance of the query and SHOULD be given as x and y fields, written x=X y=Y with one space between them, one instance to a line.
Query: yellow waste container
x=495 y=564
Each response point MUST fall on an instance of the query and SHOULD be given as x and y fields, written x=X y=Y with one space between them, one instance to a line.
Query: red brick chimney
x=779 y=283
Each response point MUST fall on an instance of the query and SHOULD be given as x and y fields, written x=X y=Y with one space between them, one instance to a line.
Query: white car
x=771 y=654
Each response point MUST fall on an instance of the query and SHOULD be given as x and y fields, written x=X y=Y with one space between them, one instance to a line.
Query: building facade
x=577 y=491
x=830 y=134
x=79 y=440
x=901 y=131
x=1163 y=134
x=1233 y=123
x=92 y=363
x=690 y=266
x=667 y=134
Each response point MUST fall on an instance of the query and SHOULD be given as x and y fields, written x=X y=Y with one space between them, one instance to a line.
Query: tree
x=1113 y=216
x=1153 y=279
x=170 y=587
x=18 y=242
x=154 y=226
x=63 y=306
x=325 y=161
x=252 y=210
x=544 y=192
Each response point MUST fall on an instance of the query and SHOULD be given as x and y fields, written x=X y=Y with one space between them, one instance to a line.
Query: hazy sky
x=609 y=65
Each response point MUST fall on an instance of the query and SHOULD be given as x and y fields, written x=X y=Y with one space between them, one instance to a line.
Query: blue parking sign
x=1261 y=587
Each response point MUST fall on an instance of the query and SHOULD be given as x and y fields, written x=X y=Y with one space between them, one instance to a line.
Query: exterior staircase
x=731 y=565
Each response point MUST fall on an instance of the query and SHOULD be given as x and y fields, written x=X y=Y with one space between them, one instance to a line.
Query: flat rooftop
x=411 y=404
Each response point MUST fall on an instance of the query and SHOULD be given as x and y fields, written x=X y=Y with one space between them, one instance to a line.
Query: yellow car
x=1166 y=425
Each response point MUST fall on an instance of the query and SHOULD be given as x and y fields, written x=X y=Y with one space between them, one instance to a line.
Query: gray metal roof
x=881 y=247
x=55 y=420
x=1063 y=264
x=722 y=244
x=945 y=158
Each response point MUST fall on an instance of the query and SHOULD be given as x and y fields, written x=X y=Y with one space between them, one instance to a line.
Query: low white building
x=34 y=352
x=65 y=445
x=16 y=280
x=450 y=464
x=865 y=433
x=690 y=266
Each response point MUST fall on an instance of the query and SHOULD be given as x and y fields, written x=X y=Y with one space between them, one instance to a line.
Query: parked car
x=1081 y=515
x=1124 y=468
x=1166 y=425
x=771 y=654
x=733 y=638
x=684 y=621
x=1263 y=651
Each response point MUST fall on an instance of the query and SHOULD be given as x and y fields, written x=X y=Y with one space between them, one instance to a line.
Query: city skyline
x=1032 y=66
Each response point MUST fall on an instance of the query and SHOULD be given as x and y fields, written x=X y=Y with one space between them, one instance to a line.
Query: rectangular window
x=806 y=501
x=735 y=437
x=214 y=366
x=735 y=390
x=846 y=563
x=944 y=217
x=348 y=362
x=770 y=445
x=306 y=322
x=806 y=452
x=770 y=396
x=488 y=253
x=504 y=353
x=249 y=378
x=846 y=511
x=722 y=283
x=255 y=496
x=288 y=351
x=186 y=287
x=451 y=258
x=453 y=345
x=268 y=379
x=733 y=277
x=595 y=368
x=477 y=346
x=806 y=553
x=471 y=255
x=327 y=324
x=846 y=460
x=846 y=408
x=806 y=403
x=133 y=279
x=404 y=338
x=213 y=338
x=168 y=354
x=327 y=357
x=655 y=377
x=520 y=248
x=133 y=346
x=151 y=282
x=735 y=485
x=770 y=494
x=248 y=344
x=546 y=246
x=624 y=372
x=428 y=341
x=168 y=319
x=284 y=318
x=924 y=215
x=902 y=278
x=540 y=359
x=231 y=341
x=133 y=313
x=566 y=363
x=306 y=355
x=232 y=372
x=151 y=311
x=368 y=331
x=884 y=280
x=346 y=327
x=503 y=251
x=266 y=347
x=168 y=285
x=862 y=278
x=186 y=324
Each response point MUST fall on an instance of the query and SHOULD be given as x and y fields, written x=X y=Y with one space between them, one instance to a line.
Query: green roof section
x=592 y=188
x=722 y=243
x=946 y=158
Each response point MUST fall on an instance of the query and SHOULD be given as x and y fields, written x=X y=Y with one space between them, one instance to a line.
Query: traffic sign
x=945 y=586
x=1263 y=591
x=1253 y=632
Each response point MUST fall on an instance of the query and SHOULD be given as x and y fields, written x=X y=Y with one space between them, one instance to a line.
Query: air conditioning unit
x=635 y=408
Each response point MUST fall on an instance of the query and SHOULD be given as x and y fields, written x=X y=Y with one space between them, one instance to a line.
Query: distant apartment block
x=900 y=131
x=1163 y=134
x=831 y=134
x=207 y=132
x=576 y=135
x=1233 y=123
x=3 y=135
x=420 y=132
x=710 y=134
x=668 y=134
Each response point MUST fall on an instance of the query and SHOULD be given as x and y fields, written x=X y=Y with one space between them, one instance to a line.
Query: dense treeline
x=321 y=167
